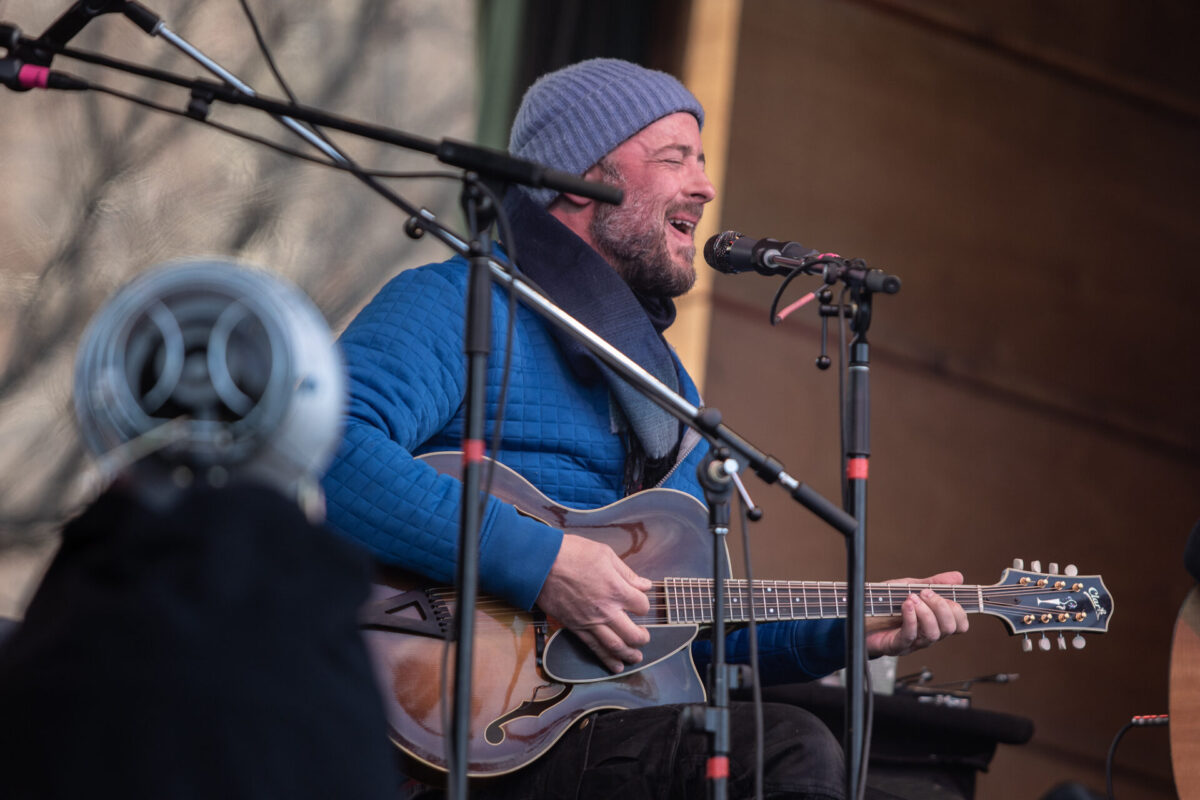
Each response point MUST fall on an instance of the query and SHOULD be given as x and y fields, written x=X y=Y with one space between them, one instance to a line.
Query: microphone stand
x=715 y=476
x=499 y=167
x=480 y=213
x=856 y=451
x=857 y=447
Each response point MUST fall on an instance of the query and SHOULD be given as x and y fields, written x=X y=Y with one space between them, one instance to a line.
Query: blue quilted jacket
x=404 y=353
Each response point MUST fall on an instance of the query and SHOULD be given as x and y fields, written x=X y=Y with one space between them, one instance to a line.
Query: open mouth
x=684 y=226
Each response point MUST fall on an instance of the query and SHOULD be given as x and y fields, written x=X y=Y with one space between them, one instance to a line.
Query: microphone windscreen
x=716 y=250
x=241 y=363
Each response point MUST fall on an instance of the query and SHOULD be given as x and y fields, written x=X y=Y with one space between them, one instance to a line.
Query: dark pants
x=643 y=753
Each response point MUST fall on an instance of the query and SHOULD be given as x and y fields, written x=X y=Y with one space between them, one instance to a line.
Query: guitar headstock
x=1033 y=601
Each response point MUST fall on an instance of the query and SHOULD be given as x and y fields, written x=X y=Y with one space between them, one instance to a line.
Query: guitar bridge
x=539 y=635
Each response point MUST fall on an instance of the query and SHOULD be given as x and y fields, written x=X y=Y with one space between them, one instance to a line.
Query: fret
x=804 y=594
x=710 y=596
x=680 y=610
x=688 y=590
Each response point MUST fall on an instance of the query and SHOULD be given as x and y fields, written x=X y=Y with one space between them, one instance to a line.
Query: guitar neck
x=690 y=600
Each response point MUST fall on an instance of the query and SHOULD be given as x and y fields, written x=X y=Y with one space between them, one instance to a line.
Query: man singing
x=581 y=436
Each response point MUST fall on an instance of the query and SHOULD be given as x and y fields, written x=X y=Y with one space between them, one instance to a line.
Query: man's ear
x=579 y=201
x=575 y=201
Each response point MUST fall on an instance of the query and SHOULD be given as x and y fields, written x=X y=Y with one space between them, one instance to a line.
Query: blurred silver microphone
x=206 y=370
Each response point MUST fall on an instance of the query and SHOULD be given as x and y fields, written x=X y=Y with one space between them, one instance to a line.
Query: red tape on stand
x=856 y=469
x=472 y=450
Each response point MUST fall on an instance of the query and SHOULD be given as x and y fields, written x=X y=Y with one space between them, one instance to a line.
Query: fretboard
x=690 y=600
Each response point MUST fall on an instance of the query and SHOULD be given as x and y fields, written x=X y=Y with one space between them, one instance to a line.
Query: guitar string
x=838 y=589
x=694 y=601
x=692 y=593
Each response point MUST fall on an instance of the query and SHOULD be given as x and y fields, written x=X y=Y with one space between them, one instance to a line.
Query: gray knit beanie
x=571 y=118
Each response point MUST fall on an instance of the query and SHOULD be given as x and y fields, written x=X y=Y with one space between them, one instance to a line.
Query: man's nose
x=699 y=186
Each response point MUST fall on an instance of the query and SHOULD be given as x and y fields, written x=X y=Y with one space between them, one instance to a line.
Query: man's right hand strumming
x=592 y=593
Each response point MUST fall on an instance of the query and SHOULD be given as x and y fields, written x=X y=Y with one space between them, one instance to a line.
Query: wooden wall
x=1032 y=384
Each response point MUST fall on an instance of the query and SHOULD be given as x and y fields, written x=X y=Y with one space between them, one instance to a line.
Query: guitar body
x=518 y=708
x=533 y=680
x=1184 y=698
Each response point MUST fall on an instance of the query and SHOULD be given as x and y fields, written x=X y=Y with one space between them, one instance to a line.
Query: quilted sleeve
x=787 y=651
x=405 y=361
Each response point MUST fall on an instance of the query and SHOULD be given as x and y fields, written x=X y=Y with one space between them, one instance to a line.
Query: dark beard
x=628 y=239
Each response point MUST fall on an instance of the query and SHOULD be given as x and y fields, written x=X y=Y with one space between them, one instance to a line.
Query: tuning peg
x=1036 y=566
x=1018 y=563
x=1053 y=568
x=1071 y=570
x=1062 y=642
x=1044 y=644
x=1027 y=645
x=1079 y=642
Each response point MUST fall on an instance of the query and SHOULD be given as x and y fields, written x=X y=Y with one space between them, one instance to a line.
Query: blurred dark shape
x=1191 y=553
x=7 y=627
x=1071 y=791
x=196 y=636
x=209 y=650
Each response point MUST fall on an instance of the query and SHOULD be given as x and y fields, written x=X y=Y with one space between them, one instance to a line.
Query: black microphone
x=732 y=252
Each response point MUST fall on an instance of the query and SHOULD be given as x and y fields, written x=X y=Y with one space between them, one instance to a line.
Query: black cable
x=266 y=51
x=250 y=137
x=773 y=315
x=1139 y=721
x=844 y=358
x=287 y=90
x=1112 y=751
x=755 y=682
x=868 y=721
x=506 y=237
